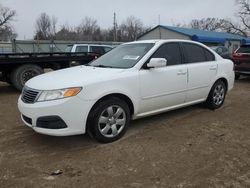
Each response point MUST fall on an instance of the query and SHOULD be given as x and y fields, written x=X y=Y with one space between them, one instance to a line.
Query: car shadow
x=83 y=142
x=151 y=122
x=243 y=79
x=39 y=143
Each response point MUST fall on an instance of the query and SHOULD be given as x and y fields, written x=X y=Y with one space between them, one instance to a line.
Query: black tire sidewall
x=16 y=75
x=95 y=114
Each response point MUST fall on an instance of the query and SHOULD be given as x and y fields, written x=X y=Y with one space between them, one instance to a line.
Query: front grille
x=29 y=95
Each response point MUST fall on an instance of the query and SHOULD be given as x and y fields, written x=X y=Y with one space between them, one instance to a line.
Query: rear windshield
x=244 y=49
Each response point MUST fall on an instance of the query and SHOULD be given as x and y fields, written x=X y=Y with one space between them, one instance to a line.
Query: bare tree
x=207 y=24
x=6 y=15
x=53 y=25
x=66 y=33
x=131 y=28
x=87 y=29
x=45 y=27
x=7 y=33
x=219 y=25
x=6 y=30
x=233 y=27
x=242 y=23
x=243 y=15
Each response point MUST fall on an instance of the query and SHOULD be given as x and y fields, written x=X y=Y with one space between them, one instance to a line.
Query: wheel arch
x=123 y=97
x=224 y=80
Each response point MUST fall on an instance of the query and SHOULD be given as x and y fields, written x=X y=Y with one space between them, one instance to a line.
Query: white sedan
x=132 y=81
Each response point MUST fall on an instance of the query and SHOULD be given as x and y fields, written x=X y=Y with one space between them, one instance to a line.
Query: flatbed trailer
x=17 y=68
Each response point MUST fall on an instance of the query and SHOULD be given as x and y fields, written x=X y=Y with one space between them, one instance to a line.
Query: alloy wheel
x=218 y=95
x=112 y=121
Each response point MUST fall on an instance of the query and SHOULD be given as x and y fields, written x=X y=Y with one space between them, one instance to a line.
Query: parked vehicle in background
x=17 y=68
x=87 y=48
x=222 y=51
x=132 y=81
x=241 y=59
x=92 y=48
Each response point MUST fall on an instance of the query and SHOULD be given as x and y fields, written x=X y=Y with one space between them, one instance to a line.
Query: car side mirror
x=157 y=63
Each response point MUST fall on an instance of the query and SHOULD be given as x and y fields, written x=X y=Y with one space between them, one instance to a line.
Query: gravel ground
x=190 y=147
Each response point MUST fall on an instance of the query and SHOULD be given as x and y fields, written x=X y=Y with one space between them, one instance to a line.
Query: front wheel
x=109 y=120
x=217 y=95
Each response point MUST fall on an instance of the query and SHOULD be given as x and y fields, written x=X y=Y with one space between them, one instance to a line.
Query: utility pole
x=159 y=23
x=115 y=29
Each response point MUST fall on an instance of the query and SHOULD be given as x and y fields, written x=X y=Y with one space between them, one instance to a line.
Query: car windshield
x=244 y=49
x=124 y=56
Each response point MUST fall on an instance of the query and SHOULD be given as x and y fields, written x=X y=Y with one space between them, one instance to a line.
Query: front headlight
x=58 y=94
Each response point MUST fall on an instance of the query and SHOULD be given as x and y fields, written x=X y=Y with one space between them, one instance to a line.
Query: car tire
x=216 y=95
x=23 y=73
x=109 y=120
x=237 y=76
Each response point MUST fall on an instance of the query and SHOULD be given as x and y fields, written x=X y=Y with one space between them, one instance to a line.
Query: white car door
x=202 y=69
x=165 y=86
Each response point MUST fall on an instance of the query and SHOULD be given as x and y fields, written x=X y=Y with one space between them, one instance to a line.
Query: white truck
x=89 y=48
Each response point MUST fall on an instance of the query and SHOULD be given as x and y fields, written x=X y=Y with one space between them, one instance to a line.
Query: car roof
x=162 y=41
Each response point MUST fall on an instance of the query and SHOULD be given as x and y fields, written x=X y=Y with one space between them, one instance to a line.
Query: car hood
x=72 y=77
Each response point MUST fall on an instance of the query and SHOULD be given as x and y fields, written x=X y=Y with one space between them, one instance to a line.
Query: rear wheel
x=217 y=95
x=109 y=120
x=23 y=73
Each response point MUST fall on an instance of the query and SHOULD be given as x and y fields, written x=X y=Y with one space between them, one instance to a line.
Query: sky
x=71 y=12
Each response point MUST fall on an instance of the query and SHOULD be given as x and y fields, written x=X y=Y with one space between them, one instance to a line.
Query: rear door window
x=97 y=49
x=82 y=49
x=209 y=55
x=195 y=54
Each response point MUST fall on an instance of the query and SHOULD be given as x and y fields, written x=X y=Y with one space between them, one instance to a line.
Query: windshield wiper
x=103 y=66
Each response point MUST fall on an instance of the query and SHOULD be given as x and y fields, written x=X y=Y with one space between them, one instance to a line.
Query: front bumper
x=73 y=112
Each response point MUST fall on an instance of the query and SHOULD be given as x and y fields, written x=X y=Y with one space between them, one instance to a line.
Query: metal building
x=210 y=38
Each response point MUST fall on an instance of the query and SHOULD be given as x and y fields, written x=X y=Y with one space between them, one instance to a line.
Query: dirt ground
x=190 y=147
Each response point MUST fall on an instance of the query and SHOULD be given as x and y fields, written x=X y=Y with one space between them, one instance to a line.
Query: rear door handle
x=213 y=67
x=181 y=72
